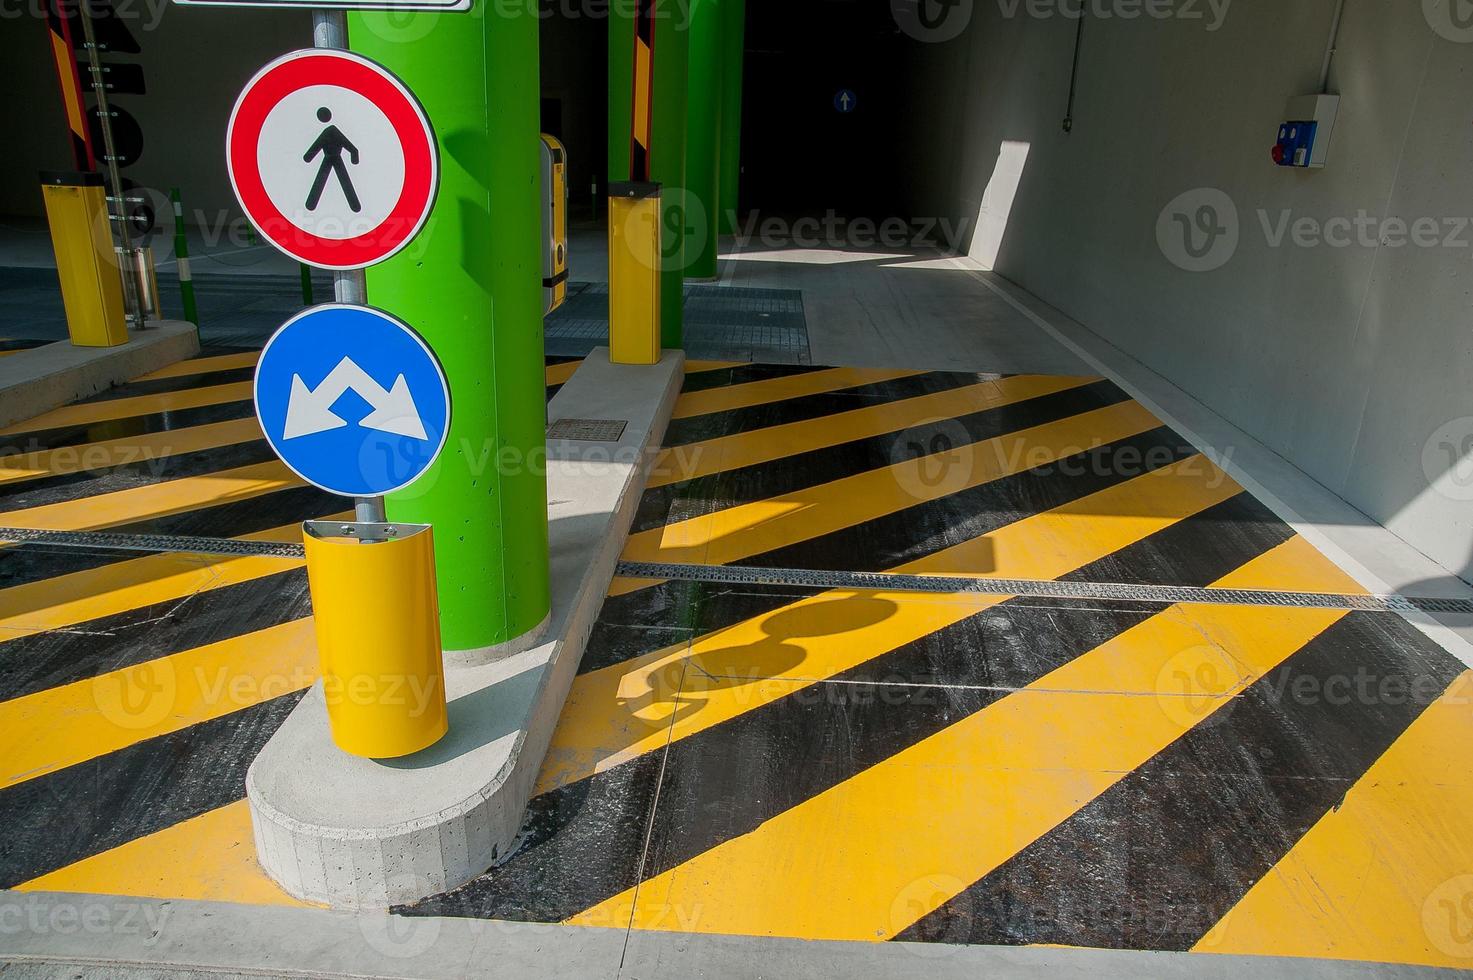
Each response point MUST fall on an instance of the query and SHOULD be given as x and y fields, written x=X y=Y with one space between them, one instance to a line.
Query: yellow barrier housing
x=378 y=635
x=634 y=273
x=91 y=281
x=554 y=224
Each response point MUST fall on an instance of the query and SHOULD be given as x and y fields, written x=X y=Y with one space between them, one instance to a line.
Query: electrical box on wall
x=1304 y=136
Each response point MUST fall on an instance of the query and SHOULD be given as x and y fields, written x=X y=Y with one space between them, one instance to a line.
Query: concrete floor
x=909 y=308
x=893 y=310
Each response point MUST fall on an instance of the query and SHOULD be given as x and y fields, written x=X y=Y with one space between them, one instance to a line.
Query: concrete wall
x=1350 y=361
x=195 y=62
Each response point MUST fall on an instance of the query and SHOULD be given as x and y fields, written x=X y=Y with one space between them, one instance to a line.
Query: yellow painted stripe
x=204 y=365
x=155 y=500
x=751 y=529
x=730 y=397
x=559 y=373
x=60 y=727
x=734 y=670
x=132 y=449
x=88 y=413
x=208 y=858
x=1387 y=875
x=869 y=857
x=79 y=597
x=698 y=459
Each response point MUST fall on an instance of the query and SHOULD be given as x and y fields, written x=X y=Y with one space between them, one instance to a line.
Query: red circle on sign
x=310 y=67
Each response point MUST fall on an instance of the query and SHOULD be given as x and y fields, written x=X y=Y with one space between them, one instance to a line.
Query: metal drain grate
x=151 y=543
x=588 y=430
x=1117 y=592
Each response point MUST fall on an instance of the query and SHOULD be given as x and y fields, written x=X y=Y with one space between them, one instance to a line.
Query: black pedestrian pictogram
x=331 y=145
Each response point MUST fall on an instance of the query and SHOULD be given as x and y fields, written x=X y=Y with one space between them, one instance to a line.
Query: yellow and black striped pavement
x=784 y=760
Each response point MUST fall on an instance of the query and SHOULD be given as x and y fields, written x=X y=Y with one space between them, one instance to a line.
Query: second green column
x=703 y=138
x=471 y=285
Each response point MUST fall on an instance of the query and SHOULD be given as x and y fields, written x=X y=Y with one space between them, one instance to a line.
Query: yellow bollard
x=91 y=281
x=378 y=636
x=634 y=273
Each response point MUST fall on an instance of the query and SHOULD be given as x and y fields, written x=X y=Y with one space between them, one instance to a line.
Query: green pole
x=181 y=260
x=306 y=274
x=667 y=156
x=703 y=137
x=733 y=46
x=471 y=284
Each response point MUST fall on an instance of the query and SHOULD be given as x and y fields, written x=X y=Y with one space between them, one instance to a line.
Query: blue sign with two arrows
x=352 y=400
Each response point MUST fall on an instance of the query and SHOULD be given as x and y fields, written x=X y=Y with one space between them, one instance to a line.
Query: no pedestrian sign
x=332 y=159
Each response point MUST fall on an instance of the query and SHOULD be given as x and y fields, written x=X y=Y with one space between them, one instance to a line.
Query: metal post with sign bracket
x=333 y=160
x=376 y=612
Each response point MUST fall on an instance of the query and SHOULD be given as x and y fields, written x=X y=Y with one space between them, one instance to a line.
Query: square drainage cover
x=588 y=430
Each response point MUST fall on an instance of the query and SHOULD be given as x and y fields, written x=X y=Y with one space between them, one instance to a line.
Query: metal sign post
x=376 y=160
x=330 y=30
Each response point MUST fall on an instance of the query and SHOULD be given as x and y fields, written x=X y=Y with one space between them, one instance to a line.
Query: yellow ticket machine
x=554 y=223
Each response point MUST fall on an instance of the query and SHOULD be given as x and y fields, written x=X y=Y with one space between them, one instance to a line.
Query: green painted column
x=471 y=284
x=668 y=152
x=703 y=137
x=734 y=52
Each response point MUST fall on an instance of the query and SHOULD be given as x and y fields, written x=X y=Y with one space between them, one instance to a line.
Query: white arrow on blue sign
x=845 y=101
x=352 y=400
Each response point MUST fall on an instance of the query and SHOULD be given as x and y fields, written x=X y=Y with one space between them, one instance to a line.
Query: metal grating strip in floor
x=805 y=578
x=149 y=543
x=741 y=323
x=1113 y=592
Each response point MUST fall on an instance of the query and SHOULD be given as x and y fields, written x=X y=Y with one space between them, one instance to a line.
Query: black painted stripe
x=802 y=408
x=584 y=841
x=218 y=350
x=45 y=660
x=142 y=472
x=70 y=435
x=35 y=562
x=638 y=623
x=60 y=818
x=743 y=374
x=934 y=525
x=1157 y=860
x=801 y=471
x=20 y=345
x=163 y=386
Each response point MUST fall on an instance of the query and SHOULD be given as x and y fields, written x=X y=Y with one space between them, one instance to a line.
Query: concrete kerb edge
x=408 y=827
x=91 y=370
x=219 y=937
